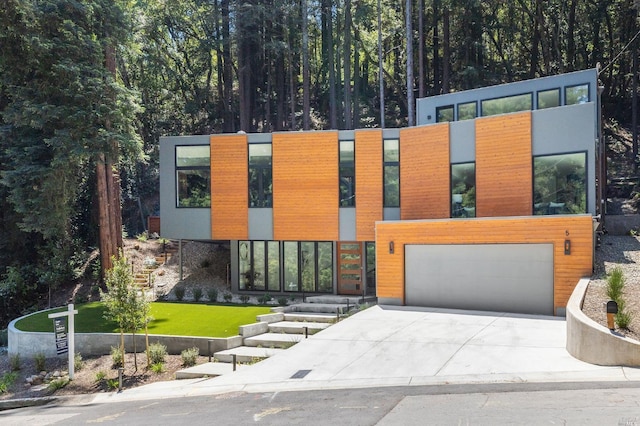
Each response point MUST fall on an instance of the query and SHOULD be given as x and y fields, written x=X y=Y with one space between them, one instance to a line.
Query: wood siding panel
x=305 y=186
x=567 y=270
x=504 y=166
x=368 y=183
x=229 y=187
x=425 y=172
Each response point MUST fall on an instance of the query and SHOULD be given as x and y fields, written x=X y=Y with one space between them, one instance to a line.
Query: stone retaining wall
x=593 y=343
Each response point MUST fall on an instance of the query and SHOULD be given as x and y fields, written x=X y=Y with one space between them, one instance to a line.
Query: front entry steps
x=279 y=330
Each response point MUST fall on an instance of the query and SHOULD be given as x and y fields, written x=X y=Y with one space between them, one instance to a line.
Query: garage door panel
x=497 y=277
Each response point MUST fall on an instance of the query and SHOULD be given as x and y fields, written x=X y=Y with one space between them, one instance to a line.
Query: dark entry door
x=350 y=268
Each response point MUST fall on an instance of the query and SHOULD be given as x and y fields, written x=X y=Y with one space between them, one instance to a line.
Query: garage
x=490 y=277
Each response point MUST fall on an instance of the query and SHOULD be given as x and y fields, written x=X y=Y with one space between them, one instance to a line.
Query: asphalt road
x=601 y=403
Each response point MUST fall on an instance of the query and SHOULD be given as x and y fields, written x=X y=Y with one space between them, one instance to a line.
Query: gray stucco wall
x=347 y=224
x=552 y=135
x=462 y=137
x=260 y=224
x=179 y=223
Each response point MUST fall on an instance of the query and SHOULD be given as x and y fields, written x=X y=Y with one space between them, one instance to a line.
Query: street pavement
x=406 y=346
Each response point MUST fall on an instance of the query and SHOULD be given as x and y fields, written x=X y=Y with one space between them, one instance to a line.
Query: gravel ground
x=622 y=252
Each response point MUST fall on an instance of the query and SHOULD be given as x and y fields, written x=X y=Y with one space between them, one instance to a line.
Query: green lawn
x=176 y=319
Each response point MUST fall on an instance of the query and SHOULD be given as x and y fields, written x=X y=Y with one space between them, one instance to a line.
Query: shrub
x=4 y=339
x=227 y=297
x=157 y=367
x=142 y=237
x=117 y=358
x=615 y=285
x=40 y=361
x=100 y=376
x=623 y=319
x=113 y=384
x=77 y=361
x=197 y=294
x=282 y=301
x=7 y=380
x=244 y=298
x=179 y=292
x=264 y=299
x=58 y=384
x=190 y=356
x=15 y=362
x=157 y=353
x=212 y=293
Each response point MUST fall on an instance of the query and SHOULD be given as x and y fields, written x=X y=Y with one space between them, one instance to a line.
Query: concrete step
x=325 y=308
x=317 y=317
x=245 y=354
x=273 y=340
x=335 y=299
x=297 y=327
x=208 y=369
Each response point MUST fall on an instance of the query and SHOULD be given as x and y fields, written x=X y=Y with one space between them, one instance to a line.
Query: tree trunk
x=306 y=108
x=409 y=41
x=347 y=65
x=333 y=96
x=446 y=51
x=227 y=70
x=436 y=49
x=421 y=73
x=380 y=65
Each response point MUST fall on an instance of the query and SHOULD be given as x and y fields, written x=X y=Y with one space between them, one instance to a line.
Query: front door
x=350 y=268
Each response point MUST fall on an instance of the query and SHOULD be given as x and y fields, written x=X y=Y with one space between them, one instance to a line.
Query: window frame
x=316 y=264
x=350 y=200
x=557 y=89
x=249 y=256
x=475 y=199
x=463 y=104
x=446 y=107
x=482 y=106
x=585 y=154
x=179 y=169
x=385 y=164
x=265 y=197
x=566 y=88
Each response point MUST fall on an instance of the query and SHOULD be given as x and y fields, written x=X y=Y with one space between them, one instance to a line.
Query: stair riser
x=239 y=358
x=293 y=330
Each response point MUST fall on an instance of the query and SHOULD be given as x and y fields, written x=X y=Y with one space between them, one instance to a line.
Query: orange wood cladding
x=504 y=166
x=305 y=186
x=368 y=183
x=567 y=269
x=425 y=172
x=229 y=187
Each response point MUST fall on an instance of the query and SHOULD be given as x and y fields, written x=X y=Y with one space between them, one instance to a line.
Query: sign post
x=65 y=341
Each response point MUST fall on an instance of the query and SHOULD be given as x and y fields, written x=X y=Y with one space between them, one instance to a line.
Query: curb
x=10 y=404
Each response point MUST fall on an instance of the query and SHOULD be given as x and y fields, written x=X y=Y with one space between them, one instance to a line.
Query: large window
x=259 y=265
x=576 y=94
x=260 y=175
x=548 y=98
x=467 y=111
x=308 y=266
x=347 y=174
x=391 y=173
x=193 y=176
x=560 y=184
x=463 y=190
x=507 y=104
x=444 y=114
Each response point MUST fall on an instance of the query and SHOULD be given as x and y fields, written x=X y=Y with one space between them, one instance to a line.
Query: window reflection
x=507 y=104
x=559 y=184
x=463 y=190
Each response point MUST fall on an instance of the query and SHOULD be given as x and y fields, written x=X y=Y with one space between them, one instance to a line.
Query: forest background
x=89 y=83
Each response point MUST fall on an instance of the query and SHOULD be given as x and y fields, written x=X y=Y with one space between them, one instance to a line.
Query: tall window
x=308 y=266
x=463 y=190
x=347 y=174
x=260 y=175
x=560 y=184
x=371 y=267
x=391 y=173
x=259 y=265
x=193 y=176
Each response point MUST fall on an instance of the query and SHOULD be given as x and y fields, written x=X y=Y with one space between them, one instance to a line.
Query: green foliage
x=142 y=236
x=190 y=356
x=157 y=367
x=179 y=291
x=39 y=360
x=615 y=285
x=157 y=353
x=113 y=384
x=117 y=357
x=265 y=298
x=7 y=380
x=15 y=362
x=244 y=298
x=623 y=319
x=100 y=376
x=197 y=294
x=227 y=297
x=4 y=337
x=77 y=361
x=54 y=385
x=282 y=301
x=212 y=294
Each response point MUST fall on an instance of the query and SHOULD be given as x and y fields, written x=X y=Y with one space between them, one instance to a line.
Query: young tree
x=126 y=305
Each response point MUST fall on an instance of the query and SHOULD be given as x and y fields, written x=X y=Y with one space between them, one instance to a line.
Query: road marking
x=269 y=412
x=106 y=418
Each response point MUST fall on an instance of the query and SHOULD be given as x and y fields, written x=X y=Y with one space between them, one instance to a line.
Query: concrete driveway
x=402 y=346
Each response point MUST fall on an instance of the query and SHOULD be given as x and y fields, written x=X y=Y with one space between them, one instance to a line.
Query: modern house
x=489 y=203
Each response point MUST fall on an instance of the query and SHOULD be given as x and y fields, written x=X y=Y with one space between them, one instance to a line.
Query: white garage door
x=490 y=277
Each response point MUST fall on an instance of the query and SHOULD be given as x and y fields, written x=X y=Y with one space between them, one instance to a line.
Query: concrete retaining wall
x=593 y=343
x=27 y=344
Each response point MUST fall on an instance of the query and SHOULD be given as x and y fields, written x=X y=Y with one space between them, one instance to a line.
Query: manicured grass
x=176 y=319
